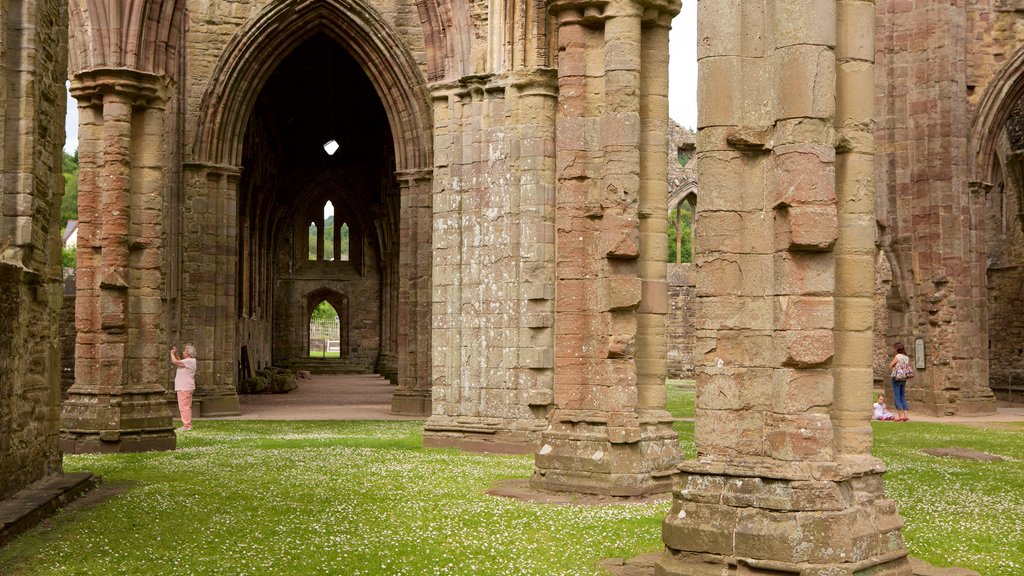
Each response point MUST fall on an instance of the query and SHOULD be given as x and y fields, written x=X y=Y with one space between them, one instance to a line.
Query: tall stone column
x=493 y=279
x=609 y=432
x=784 y=481
x=209 y=260
x=117 y=403
x=413 y=394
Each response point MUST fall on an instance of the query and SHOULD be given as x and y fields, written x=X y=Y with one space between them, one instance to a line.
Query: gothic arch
x=254 y=53
x=994 y=109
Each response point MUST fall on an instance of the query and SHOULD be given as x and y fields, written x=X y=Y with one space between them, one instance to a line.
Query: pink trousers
x=185 y=408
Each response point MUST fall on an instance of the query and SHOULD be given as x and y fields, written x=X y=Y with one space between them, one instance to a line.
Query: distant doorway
x=324 y=332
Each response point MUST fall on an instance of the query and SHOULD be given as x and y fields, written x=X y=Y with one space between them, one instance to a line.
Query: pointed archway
x=240 y=124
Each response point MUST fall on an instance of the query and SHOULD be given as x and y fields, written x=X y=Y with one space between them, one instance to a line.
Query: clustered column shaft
x=609 y=433
x=118 y=400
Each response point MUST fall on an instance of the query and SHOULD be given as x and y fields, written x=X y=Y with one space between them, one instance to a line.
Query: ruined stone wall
x=679 y=323
x=33 y=65
x=360 y=323
x=995 y=30
x=929 y=217
x=213 y=26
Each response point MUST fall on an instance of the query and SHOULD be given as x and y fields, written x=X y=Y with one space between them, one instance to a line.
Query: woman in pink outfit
x=185 y=382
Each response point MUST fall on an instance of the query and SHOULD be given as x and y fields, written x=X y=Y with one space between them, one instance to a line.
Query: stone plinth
x=723 y=516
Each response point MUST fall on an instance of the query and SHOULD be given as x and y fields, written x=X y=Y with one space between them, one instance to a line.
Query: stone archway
x=340 y=303
x=231 y=153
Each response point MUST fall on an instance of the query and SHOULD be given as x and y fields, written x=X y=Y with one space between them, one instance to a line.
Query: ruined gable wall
x=33 y=63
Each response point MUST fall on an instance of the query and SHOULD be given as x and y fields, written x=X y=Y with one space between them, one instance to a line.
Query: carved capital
x=140 y=88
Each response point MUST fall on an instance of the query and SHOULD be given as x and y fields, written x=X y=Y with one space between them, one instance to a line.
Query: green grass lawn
x=323 y=354
x=257 y=497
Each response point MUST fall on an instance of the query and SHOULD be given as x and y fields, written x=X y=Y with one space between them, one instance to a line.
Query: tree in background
x=323 y=311
x=69 y=204
x=682 y=213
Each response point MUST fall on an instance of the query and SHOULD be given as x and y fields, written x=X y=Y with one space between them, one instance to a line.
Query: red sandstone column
x=603 y=437
x=117 y=403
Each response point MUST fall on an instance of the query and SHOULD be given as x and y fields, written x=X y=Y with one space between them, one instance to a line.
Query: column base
x=478 y=434
x=411 y=403
x=721 y=522
x=136 y=421
x=607 y=460
x=937 y=404
x=214 y=406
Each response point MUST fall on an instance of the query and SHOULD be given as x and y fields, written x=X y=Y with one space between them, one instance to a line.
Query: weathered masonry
x=479 y=191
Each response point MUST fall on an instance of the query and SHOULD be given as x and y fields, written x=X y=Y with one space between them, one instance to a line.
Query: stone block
x=734 y=388
x=718 y=19
x=735 y=313
x=718 y=101
x=799 y=437
x=806 y=80
x=798 y=391
x=854 y=314
x=805 y=273
x=805 y=348
x=700 y=527
x=730 y=433
x=856 y=106
x=804 y=312
x=798 y=22
x=620 y=294
x=733 y=232
x=802 y=174
x=806 y=228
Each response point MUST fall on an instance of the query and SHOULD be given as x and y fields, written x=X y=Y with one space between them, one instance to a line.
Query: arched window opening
x=680 y=233
x=330 y=238
x=313 y=240
x=324 y=332
x=343 y=247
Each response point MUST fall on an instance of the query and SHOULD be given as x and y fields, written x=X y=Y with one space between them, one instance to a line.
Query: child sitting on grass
x=880 y=413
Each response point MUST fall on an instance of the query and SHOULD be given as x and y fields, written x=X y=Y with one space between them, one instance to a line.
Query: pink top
x=185 y=378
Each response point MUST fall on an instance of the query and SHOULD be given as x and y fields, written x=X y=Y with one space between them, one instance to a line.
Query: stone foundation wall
x=680 y=320
x=33 y=41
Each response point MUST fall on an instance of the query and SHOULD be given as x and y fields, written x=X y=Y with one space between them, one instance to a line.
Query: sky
x=682 y=76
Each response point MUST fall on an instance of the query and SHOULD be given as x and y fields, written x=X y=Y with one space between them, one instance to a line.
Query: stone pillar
x=609 y=432
x=413 y=394
x=784 y=481
x=493 y=210
x=209 y=261
x=117 y=403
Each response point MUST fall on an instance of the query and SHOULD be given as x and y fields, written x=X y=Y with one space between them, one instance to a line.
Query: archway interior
x=1004 y=229
x=324 y=331
x=316 y=211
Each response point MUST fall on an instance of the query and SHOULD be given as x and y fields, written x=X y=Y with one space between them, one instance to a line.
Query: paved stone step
x=39 y=500
x=326 y=366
